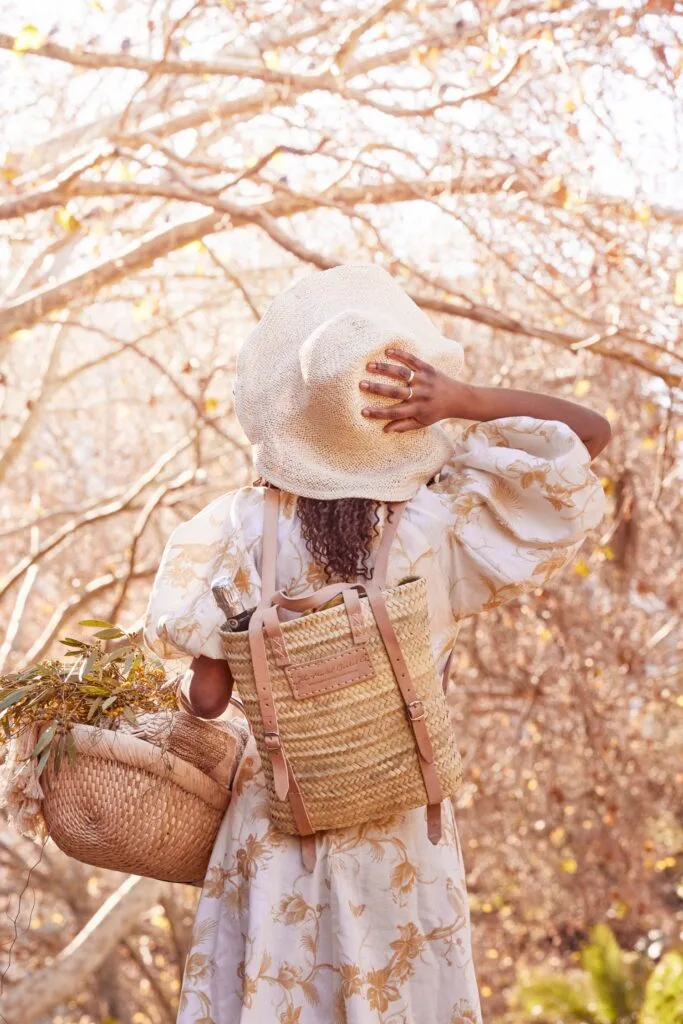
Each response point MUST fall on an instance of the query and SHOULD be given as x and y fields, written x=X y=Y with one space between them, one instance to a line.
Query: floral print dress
x=379 y=932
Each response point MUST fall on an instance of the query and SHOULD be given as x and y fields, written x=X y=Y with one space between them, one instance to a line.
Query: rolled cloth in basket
x=209 y=746
x=21 y=793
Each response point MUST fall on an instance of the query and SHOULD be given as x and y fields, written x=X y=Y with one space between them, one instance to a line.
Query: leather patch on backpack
x=330 y=673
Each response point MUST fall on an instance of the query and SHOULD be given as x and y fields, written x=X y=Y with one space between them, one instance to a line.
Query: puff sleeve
x=182 y=617
x=519 y=497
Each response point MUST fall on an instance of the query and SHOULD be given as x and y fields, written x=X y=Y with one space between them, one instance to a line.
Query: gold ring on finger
x=410 y=379
x=410 y=394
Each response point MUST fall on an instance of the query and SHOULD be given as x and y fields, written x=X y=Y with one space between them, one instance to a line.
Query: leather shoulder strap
x=269 y=544
x=391 y=525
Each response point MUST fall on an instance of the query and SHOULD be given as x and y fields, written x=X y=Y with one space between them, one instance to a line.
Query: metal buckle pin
x=416 y=711
x=272 y=741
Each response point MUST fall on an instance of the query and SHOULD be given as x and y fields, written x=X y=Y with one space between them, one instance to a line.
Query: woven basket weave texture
x=352 y=750
x=131 y=806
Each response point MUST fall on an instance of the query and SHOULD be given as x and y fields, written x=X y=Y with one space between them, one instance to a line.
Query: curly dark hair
x=339 y=535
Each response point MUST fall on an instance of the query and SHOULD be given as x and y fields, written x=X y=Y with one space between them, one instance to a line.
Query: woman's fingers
x=400 y=417
x=388 y=390
x=408 y=359
x=386 y=412
x=390 y=370
x=403 y=426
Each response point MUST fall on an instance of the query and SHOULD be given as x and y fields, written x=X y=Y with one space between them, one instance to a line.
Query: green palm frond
x=552 y=999
x=663 y=1003
x=614 y=987
x=606 y=965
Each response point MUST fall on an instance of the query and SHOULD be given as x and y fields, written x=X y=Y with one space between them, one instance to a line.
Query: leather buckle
x=416 y=711
x=272 y=741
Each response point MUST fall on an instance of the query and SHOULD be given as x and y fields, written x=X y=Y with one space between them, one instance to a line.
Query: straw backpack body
x=344 y=701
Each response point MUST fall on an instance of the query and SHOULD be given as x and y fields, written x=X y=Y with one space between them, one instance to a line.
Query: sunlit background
x=165 y=169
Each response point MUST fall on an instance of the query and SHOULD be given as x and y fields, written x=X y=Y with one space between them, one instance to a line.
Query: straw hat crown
x=297 y=389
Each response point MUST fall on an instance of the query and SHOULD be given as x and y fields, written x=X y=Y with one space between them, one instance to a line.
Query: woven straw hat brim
x=297 y=391
x=287 y=464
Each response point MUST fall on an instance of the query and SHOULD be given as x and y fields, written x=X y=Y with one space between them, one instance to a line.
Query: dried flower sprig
x=94 y=686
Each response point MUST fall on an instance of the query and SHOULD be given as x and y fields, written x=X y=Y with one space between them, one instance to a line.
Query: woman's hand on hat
x=424 y=395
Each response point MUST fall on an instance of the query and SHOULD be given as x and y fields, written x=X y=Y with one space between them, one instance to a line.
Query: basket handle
x=310 y=602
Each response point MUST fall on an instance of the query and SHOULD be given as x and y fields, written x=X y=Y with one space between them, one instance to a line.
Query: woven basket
x=352 y=750
x=131 y=806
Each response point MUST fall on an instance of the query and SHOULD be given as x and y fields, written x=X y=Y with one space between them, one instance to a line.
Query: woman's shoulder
x=233 y=505
x=430 y=501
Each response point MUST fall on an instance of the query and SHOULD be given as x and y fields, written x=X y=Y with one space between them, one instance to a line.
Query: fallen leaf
x=120 y=171
x=558 y=836
x=10 y=168
x=144 y=309
x=432 y=57
x=29 y=38
x=67 y=220
x=196 y=246
x=678 y=289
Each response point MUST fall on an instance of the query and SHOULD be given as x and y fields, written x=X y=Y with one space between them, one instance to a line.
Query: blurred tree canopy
x=169 y=166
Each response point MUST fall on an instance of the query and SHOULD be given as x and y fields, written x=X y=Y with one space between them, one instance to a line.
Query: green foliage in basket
x=90 y=686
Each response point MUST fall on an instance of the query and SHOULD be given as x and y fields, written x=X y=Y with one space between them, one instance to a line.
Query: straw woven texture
x=297 y=395
x=352 y=750
x=128 y=805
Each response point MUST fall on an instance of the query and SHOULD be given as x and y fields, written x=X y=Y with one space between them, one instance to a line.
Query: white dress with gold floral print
x=379 y=933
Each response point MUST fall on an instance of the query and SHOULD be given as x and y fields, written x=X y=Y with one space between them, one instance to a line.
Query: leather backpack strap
x=271 y=514
x=391 y=525
x=446 y=676
x=308 y=852
x=264 y=693
x=284 y=780
x=414 y=707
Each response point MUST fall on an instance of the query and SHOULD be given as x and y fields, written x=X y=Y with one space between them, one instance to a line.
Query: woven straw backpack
x=344 y=701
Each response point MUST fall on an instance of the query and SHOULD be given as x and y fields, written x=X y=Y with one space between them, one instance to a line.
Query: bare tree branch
x=152 y=503
x=97 y=514
x=70 y=607
x=236 y=68
x=49 y=986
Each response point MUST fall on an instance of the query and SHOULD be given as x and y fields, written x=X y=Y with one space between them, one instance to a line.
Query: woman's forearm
x=483 y=404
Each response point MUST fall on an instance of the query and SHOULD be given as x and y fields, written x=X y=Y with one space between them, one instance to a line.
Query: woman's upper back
x=509 y=510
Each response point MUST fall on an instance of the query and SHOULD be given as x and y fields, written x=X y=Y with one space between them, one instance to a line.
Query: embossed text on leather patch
x=331 y=673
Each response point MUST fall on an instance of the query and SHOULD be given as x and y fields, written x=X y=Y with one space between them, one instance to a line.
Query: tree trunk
x=67 y=974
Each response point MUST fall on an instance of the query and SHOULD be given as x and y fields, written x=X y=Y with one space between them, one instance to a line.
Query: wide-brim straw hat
x=297 y=390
